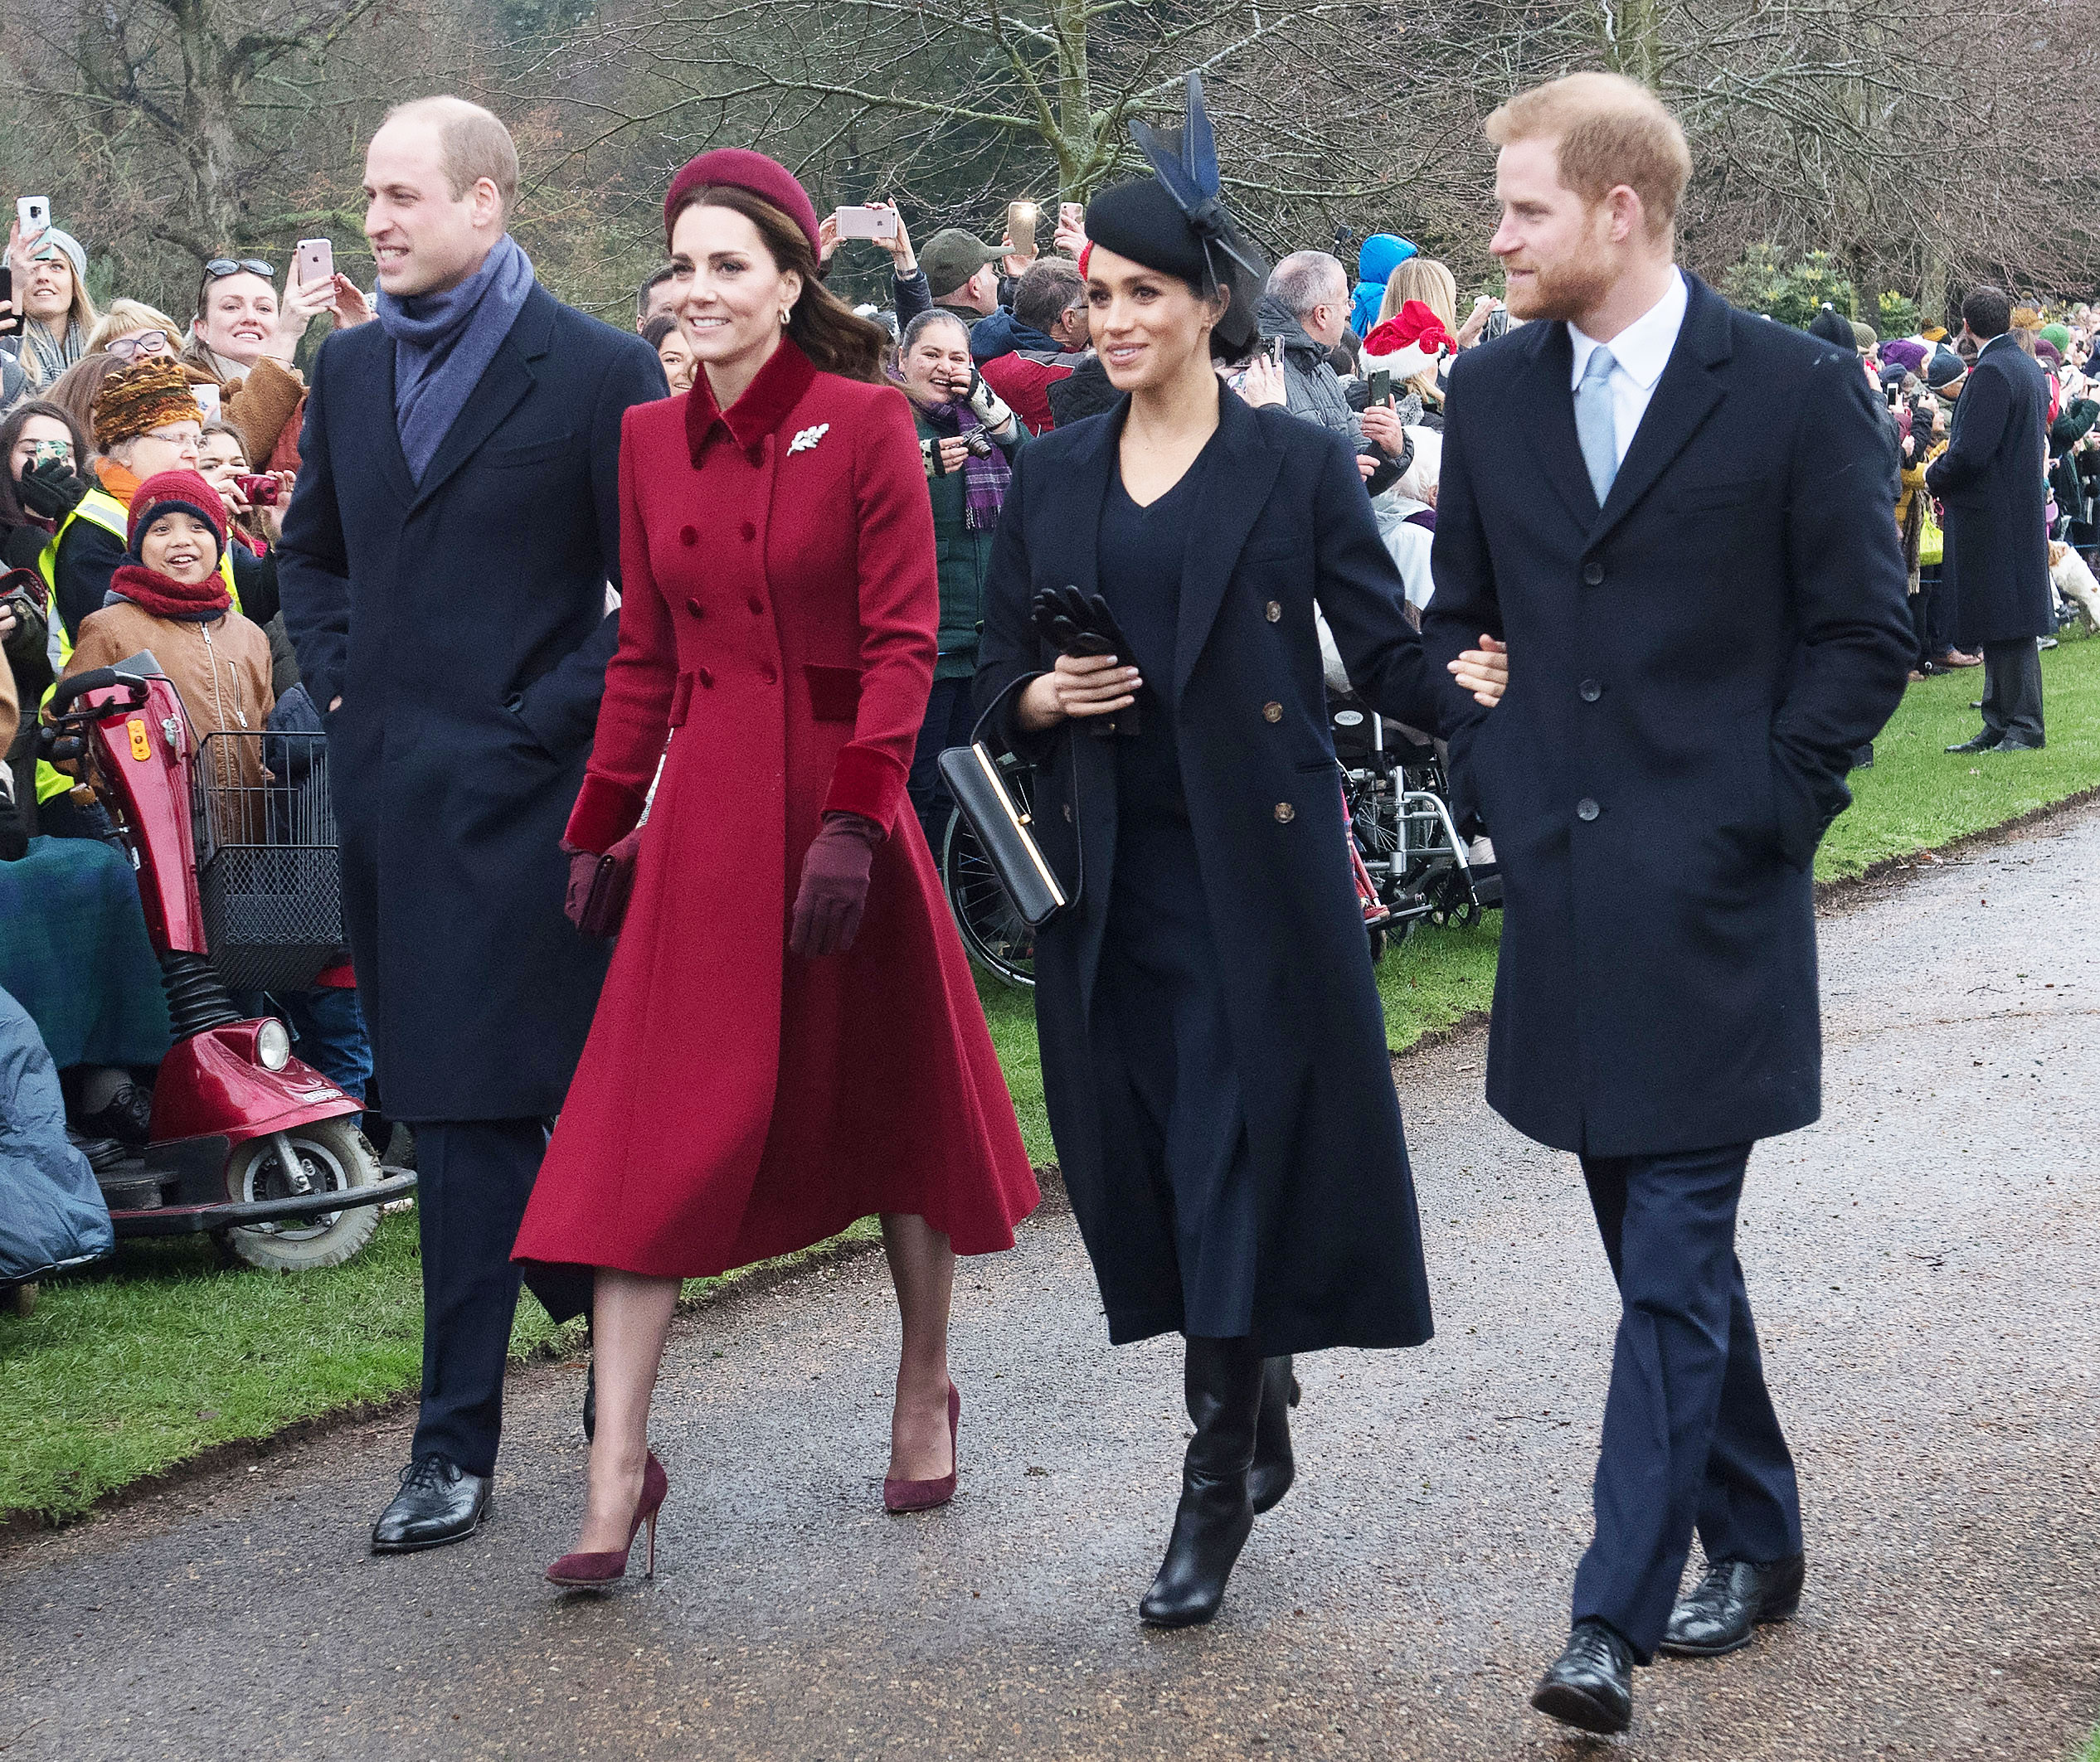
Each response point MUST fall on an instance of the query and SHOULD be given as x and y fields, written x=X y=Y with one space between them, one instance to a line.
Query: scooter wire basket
x=267 y=866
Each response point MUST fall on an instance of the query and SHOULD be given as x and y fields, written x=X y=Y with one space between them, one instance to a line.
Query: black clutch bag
x=1003 y=827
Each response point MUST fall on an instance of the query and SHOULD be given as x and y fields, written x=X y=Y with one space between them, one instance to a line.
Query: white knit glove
x=992 y=410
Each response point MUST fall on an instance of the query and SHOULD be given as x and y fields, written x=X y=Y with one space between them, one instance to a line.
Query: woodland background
x=1850 y=149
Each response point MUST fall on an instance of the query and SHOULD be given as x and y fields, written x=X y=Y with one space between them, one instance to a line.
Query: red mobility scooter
x=240 y=878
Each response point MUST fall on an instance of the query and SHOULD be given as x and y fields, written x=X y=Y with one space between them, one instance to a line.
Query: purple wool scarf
x=444 y=343
x=986 y=478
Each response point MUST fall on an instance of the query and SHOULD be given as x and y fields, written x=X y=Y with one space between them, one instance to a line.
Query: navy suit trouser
x=472 y=1179
x=1690 y=1439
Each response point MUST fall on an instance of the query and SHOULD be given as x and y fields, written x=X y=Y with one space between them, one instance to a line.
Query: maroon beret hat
x=740 y=168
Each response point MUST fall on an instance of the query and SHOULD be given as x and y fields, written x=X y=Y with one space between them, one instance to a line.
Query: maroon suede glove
x=833 y=890
x=599 y=885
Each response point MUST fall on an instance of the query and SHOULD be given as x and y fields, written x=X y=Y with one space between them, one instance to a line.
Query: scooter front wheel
x=325 y=1155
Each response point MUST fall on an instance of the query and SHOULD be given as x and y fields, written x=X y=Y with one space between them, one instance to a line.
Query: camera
x=978 y=443
x=260 y=491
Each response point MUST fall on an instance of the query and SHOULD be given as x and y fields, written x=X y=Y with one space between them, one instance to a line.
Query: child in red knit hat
x=170 y=599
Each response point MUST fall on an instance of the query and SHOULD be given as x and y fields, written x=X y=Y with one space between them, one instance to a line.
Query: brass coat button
x=1273 y=712
x=1587 y=809
x=1275 y=612
x=1285 y=813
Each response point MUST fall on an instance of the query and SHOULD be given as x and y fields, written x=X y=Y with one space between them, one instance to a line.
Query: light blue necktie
x=1594 y=426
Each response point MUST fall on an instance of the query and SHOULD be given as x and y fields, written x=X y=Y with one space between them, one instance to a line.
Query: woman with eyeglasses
x=245 y=338
x=131 y=330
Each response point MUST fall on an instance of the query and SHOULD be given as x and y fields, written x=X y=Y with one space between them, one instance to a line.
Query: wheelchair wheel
x=994 y=933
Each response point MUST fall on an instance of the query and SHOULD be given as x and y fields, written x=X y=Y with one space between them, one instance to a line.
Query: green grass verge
x=1918 y=796
x=162 y=1354
x=2091 y=1752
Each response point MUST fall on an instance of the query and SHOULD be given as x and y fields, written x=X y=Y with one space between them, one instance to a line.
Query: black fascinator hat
x=1173 y=223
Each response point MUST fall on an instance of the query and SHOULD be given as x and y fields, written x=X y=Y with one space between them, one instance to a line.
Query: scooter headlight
x=273 y=1045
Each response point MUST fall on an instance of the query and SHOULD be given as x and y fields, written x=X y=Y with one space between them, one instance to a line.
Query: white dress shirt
x=1639 y=352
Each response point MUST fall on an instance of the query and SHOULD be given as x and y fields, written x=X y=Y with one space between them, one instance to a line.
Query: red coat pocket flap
x=834 y=692
x=681 y=700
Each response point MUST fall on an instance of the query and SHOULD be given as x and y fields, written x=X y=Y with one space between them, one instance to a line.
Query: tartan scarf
x=986 y=478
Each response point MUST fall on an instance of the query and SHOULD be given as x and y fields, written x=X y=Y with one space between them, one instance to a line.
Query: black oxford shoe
x=1981 y=743
x=439 y=1503
x=2014 y=743
x=1725 y=1608
x=1591 y=1684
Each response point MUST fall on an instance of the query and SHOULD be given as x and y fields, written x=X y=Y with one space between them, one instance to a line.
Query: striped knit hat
x=135 y=400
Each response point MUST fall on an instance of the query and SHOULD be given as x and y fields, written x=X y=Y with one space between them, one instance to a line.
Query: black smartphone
x=1381 y=385
x=10 y=323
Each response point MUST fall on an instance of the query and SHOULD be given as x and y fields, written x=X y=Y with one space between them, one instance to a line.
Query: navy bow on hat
x=1185 y=161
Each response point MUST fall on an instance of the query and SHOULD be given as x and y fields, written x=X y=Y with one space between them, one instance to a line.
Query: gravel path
x=1923 y=1263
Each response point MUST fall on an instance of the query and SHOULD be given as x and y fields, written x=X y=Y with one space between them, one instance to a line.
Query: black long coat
x=1689 y=668
x=1283 y=521
x=463 y=623
x=1990 y=479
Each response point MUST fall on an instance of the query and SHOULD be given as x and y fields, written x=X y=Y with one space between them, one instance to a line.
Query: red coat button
x=750 y=529
x=688 y=536
x=706 y=678
x=696 y=610
x=756 y=604
x=767 y=674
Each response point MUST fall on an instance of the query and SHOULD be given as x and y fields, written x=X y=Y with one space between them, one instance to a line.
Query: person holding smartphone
x=246 y=339
x=48 y=271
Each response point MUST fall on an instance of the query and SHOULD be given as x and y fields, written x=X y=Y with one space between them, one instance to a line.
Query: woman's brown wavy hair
x=823 y=327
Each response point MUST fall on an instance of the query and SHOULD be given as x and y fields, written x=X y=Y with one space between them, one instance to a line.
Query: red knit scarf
x=164 y=597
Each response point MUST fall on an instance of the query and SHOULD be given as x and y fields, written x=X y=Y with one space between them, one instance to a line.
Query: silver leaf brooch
x=807 y=438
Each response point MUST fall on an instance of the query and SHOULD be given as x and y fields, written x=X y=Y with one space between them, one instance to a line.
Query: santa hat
x=175 y=492
x=1410 y=342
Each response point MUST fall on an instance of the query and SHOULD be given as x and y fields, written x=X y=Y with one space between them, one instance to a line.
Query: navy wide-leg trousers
x=1690 y=1439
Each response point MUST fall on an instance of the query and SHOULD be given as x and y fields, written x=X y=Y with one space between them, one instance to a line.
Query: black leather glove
x=51 y=488
x=1077 y=624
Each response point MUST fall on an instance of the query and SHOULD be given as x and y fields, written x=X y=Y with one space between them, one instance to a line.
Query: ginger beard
x=1565 y=286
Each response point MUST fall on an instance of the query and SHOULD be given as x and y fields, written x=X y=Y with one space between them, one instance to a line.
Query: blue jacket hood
x=1383 y=253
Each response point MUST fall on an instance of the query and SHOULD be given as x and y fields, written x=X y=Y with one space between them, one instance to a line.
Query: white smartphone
x=208 y=400
x=34 y=213
x=312 y=261
x=865 y=223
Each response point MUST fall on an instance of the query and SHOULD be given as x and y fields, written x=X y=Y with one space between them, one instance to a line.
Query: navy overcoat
x=1690 y=668
x=462 y=621
x=1990 y=480
x=1283 y=521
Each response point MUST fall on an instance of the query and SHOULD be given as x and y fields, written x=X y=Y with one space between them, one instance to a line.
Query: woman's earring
x=785 y=311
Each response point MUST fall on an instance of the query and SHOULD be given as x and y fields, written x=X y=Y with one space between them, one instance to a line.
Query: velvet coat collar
x=765 y=404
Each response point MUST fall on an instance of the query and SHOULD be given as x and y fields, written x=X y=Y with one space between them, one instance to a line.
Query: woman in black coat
x=1212 y=1047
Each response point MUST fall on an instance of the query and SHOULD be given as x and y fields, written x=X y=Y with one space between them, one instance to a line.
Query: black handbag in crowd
x=1001 y=825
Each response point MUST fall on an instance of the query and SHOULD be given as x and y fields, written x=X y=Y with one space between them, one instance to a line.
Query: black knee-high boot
x=1274 y=1467
x=1224 y=1382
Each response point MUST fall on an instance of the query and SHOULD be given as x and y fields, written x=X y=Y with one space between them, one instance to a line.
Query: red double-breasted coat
x=778 y=618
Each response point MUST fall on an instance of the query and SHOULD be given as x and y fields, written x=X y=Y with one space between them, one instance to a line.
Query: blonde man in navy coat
x=1676 y=517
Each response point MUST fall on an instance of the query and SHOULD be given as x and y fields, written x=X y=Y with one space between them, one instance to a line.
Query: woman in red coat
x=790 y=1037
